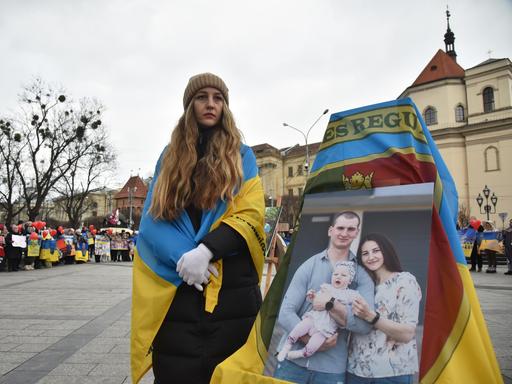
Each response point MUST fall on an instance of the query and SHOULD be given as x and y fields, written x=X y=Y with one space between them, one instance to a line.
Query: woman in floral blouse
x=388 y=354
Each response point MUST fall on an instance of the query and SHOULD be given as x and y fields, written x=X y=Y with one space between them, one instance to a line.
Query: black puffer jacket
x=191 y=341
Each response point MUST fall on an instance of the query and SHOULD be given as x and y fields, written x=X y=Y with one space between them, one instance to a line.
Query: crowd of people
x=487 y=242
x=34 y=245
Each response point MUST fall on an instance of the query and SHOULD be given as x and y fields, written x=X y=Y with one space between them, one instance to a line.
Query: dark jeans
x=508 y=255
x=491 y=259
x=403 y=379
x=289 y=371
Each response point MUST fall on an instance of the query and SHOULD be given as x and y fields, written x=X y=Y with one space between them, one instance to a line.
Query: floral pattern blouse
x=375 y=354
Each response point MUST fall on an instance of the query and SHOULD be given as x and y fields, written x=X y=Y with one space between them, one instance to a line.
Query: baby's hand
x=324 y=287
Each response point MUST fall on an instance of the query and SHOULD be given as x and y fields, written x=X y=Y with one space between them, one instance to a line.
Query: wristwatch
x=330 y=304
x=376 y=318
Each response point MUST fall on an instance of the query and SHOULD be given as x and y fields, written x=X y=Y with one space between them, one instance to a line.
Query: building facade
x=283 y=171
x=99 y=203
x=469 y=115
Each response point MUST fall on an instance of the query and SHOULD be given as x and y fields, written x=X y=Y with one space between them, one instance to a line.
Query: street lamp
x=305 y=135
x=131 y=190
x=487 y=209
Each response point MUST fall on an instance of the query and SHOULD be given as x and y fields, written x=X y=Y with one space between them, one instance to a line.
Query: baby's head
x=343 y=274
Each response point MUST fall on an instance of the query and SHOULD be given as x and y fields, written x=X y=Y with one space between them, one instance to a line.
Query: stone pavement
x=70 y=324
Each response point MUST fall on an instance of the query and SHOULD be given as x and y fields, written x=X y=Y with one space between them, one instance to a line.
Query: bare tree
x=88 y=172
x=463 y=215
x=10 y=152
x=56 y=133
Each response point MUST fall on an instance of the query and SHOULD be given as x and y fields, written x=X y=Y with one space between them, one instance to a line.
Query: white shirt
x=376 y=355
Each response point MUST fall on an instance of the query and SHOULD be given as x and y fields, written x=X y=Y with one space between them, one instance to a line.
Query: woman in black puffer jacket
x=204 y=176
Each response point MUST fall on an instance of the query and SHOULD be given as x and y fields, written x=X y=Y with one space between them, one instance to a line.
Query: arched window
x=430 y=116
x=488 y=96
x=492 y=159
x=459 y=113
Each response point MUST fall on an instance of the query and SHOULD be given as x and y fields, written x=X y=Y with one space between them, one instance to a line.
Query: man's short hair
x=348 y=215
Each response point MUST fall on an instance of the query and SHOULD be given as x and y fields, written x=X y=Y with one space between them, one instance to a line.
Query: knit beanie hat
x=203 y=80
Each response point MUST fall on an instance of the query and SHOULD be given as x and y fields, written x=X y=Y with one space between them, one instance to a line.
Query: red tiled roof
x=134 y=181
x=440 y=67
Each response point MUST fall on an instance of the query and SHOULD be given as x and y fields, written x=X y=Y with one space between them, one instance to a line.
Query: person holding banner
x=328 y=364
x=476 y=256
x=199 y=254
x=14 y=244
x=490 y=246
x=388 y=354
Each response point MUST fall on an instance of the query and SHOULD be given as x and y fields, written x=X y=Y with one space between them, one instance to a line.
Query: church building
x=469 y=115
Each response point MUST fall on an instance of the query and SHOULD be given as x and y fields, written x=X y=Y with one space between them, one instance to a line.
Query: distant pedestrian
x=476 y=257
x=3 y=260
x=507 y=243
x=13 y=248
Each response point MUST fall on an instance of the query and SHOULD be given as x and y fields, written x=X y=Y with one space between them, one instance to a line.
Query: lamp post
x=305 y=135
x=131 y=190
x=487 y=209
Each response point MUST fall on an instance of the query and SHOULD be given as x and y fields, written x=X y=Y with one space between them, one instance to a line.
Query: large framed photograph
x=361 y=254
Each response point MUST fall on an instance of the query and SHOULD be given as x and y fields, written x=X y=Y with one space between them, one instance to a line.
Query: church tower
x=449 y=38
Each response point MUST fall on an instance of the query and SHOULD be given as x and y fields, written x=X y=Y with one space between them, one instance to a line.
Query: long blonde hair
x=185 y=179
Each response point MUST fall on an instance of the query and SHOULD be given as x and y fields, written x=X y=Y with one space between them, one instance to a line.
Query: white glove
x=213 y=270
x=193 y=266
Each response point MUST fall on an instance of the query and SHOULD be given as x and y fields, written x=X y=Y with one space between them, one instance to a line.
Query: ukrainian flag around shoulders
x=161 y=243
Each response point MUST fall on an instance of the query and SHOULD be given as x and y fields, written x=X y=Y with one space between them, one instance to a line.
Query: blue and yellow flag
x=161 y=244
x=381 y=145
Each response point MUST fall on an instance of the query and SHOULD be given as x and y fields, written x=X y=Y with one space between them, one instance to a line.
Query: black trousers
x=13 y=263
x=491 y=258
x=476 y=257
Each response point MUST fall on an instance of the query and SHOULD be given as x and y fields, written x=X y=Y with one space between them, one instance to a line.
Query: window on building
x=290 y=171
x=299 y=170
x=300 y=191
x=430 y=116
x=290 y=192
x=459 y=113
x=95 y=213
x=488 y=96
x=492 y=159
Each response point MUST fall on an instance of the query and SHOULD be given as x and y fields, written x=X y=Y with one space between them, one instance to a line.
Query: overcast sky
x=283 y=61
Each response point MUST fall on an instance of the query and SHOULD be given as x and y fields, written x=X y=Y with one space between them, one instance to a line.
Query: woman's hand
x=361 y=309
x=193 y=266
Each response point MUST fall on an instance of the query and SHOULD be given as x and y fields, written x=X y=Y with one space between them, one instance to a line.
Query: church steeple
x=449 y=38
